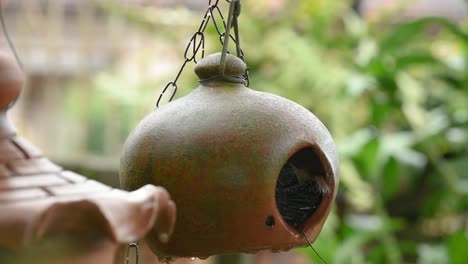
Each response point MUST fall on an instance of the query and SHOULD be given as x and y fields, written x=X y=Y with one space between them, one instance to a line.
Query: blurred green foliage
x=395 y=97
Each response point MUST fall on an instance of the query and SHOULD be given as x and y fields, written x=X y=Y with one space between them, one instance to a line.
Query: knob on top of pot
x=208 y=69
x=11 y=80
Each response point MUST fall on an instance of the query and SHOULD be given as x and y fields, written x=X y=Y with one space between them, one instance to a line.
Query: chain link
x=196 y=44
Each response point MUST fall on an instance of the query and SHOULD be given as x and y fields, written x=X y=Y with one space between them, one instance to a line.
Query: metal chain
x=197 y=42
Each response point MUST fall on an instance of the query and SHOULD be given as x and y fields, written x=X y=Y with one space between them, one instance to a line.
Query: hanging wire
x=222 y=64
x=196 y=44
x=137 y=253
x=312 y=247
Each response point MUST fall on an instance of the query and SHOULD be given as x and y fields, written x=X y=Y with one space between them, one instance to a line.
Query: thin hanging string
x=237 y=12
x=222 y=64
x=310 y=245
x=8 y=38
x=137 y=253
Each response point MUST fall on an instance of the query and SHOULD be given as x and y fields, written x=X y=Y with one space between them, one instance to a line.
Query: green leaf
x=421 y=58
x=459 y=83
x=404 y=33
x=400 y=145
x=352 y=145
x=391 y=178
x=350 y=251
x=377 y=255
x=456 y=247
x=382 y=112
x=367 y=159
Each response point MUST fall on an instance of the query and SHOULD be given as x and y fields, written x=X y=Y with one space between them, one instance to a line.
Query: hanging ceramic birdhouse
x=247 y=170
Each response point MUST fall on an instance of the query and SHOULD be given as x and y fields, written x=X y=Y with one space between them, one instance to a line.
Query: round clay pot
x=11 y=80
x=220 y=151
x=11 y=83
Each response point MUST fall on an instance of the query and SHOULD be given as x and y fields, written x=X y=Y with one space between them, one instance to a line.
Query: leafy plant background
x=394 y=96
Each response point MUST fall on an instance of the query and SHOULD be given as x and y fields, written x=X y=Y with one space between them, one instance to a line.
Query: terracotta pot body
x=11 y=80
x=11 y=83
x=219 y=152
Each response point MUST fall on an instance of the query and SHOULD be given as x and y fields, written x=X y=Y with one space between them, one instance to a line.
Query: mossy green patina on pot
x=219 y=151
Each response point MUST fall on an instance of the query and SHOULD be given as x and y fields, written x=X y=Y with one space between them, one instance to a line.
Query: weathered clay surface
x=219 y=152
x=208 y=69
x=11 y=80
x=50 y=215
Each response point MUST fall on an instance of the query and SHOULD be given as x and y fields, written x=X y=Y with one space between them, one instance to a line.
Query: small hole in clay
x=270 y=221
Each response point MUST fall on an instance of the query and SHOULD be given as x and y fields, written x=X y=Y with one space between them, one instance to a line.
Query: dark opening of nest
x=298 y=189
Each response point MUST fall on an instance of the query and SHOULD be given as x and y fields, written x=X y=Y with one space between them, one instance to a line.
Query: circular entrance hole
x=300 y=187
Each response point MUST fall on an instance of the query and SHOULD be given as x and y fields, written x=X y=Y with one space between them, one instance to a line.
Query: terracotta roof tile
x=73 y=177
x=31 y=181
x=4 y=172
x=41 y=204
x=8 y=151
x=80 y=188
x=27 y=148
x=16 y=195
x=39 y=200
x=33 y=166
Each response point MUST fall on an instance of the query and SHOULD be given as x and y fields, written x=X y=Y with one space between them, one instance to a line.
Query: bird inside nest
x=304 y=176
x=293 y=177
x=299 y=191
